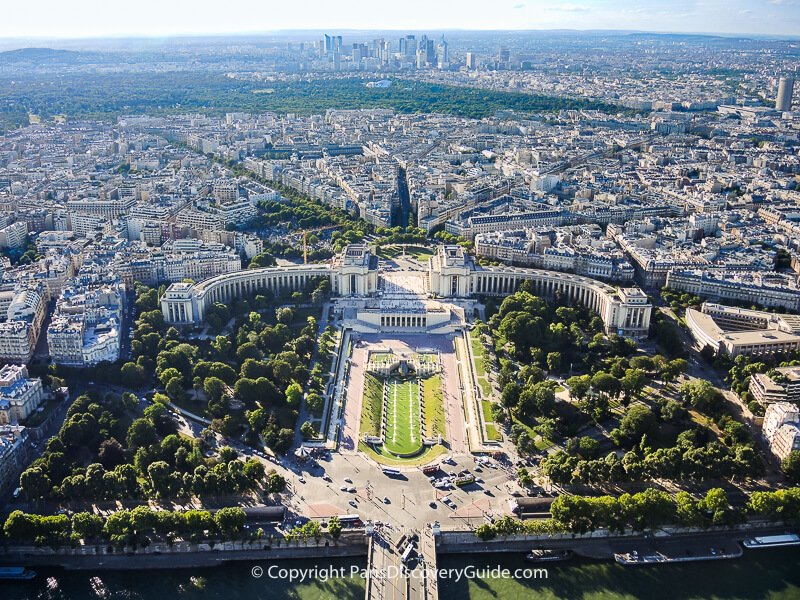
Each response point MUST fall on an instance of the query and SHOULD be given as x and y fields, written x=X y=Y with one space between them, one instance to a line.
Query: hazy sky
x=99 y=18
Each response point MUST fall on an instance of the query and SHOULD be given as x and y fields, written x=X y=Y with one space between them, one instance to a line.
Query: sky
x=108 y=18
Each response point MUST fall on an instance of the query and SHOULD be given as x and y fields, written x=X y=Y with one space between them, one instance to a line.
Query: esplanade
x=452 y=275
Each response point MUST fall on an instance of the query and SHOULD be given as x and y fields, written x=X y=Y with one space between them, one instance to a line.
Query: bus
x=465 y=480
x=430 y=470
x=390 y=471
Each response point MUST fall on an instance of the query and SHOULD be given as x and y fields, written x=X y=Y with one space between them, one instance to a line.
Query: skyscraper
x=471 y=61
x=444 y=59
x=783 y=102
x=408 y=46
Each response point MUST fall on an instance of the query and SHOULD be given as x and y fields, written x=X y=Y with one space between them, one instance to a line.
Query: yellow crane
x=305 y=237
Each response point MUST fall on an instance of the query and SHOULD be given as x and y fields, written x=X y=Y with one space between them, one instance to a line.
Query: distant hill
x=40 y=55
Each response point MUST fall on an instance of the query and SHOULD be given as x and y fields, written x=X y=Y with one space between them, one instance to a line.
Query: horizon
x=366 y=31
x=92 y=19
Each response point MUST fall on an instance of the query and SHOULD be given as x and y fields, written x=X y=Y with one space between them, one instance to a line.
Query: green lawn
x=486 y=387
x=403 y=434
x=380 y=456
x=492 y=434
x=419 y=253
x=435 y=423
x=371 y=406
x=388 y=251
x=479 y=355
x=486 y=406
x=480 y=369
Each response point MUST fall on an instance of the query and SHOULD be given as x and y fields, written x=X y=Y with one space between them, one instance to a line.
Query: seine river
x=763 y=574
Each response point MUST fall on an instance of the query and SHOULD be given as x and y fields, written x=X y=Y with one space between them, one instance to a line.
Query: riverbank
x=596 y=545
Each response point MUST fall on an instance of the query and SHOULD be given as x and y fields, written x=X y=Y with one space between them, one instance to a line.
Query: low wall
x=180 y=554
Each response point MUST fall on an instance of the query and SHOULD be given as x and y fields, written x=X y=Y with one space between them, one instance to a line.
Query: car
x=351 y=489
x=326 y=478
x=301 y=479
x=352 y=503
x=432 y=504
x=386 y=500
x=343 y=488
x=348 y=480
x=17 y=492
x=478 y=470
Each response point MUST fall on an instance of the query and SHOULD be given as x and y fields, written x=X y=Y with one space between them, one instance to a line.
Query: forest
x=108 y=95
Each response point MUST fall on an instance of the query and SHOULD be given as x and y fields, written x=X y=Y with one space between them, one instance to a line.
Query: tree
x=20 y=526
x=227 y=454
x=283 y=440
x=510 y=395
x=334 y=527
x=111 y=453
x=633 y=382
x=197 y=523
x=791 y=466
x=638 y=421
x=141 y=434
x=648 y=509
x=294 y=393
x=606 y=383
x=159 y=475
x=230 y=521
x=214 y=388
x=132 y=375
x=673 y=369
x=254 y=470
x=174 y=388
x=554 y=362
x=578 y=386
x=35 y=483
x=276 y=482
x=315 y=403
x=716 y=506
x=248 y=350
x=687 y=510
x=703 y=396
x=284 y=315
x=588 y=447
x=307 y=430
x=118 y=526
x=222 y=346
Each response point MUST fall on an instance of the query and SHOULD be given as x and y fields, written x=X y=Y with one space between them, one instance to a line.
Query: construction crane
x=305 y=237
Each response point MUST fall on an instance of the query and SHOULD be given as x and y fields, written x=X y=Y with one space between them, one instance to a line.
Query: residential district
x=406 y=320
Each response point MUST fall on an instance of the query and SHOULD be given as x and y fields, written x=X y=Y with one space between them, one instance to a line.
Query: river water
x=762 y=574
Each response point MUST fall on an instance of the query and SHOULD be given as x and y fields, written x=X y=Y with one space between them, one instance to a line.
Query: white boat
x=771 y=541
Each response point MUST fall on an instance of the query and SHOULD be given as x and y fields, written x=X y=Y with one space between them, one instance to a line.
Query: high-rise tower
x=783 y=102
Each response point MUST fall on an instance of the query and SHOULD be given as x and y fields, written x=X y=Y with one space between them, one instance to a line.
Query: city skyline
x=93 y=19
